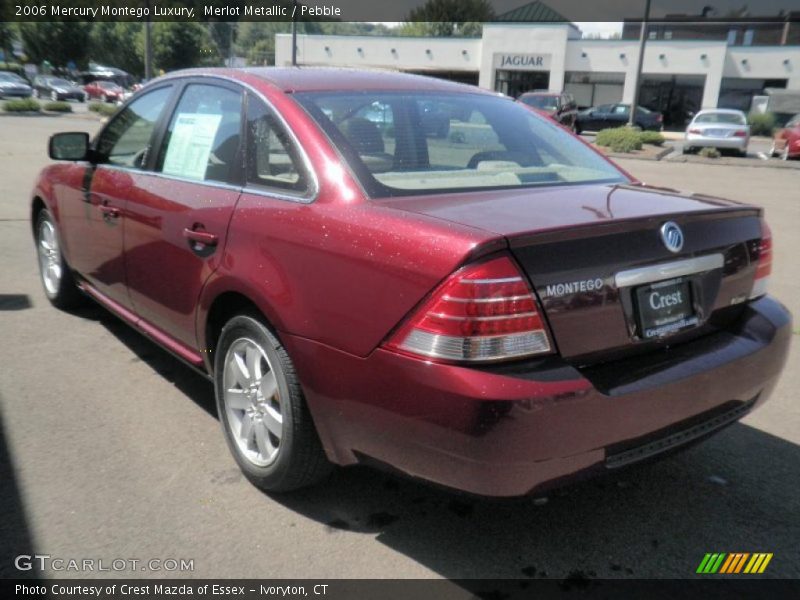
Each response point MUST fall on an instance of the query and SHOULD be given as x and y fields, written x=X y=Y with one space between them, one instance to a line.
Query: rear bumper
x=513 y=429
x=700 y=141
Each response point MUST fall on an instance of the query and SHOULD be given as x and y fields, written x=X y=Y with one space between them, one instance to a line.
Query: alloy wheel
x=252 y=401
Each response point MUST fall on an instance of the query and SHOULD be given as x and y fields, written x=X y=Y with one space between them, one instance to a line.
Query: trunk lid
x=594 y=252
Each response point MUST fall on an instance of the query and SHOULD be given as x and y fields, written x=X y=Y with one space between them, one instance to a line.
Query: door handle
x=200 y=237
x=109 y=212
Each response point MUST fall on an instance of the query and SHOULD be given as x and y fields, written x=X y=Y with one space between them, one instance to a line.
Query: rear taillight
x=697 y=131
x=763 y=262
x=483 y=312
x=740 y=133
x=659 y=118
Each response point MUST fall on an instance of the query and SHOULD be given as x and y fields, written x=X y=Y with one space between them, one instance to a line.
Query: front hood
x=513 y=213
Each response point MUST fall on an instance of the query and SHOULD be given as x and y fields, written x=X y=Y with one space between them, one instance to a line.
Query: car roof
x=542 y=93
x=323 y=79
x=730 y=111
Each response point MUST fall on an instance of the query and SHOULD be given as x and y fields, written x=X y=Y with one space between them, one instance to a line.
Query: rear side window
x=414 y=142
x=272 y=158
x=203 y=140
x=126 y=140
x=721 y=118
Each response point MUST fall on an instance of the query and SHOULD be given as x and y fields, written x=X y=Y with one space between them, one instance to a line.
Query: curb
x=752 y=163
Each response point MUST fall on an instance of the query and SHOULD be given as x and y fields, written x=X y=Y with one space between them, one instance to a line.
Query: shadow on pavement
x=736 y=492
x=15 y=302
x=183 y=377
x=14 y=530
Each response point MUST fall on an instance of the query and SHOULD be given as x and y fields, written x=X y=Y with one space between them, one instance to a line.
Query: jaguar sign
x=522 y=62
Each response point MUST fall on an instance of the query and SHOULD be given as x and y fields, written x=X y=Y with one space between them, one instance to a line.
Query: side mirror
x=69 y=146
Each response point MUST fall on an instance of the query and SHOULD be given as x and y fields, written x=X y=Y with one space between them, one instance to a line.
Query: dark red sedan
x=786 y=140
x=496 y=310
x=107 y=91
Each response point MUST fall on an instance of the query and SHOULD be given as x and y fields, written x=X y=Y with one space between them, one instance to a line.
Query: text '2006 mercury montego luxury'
x=386 y=268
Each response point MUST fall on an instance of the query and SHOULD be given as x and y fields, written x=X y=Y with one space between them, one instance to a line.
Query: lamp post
x=637 y=79
x=148 y=45
x=294 y=34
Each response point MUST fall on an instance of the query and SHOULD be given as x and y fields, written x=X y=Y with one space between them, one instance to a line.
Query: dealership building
x=689 y=64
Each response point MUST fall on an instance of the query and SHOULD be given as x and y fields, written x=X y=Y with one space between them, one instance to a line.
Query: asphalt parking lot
x=110 y=448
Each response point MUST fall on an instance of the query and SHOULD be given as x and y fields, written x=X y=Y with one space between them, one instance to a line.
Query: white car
x=718 y=128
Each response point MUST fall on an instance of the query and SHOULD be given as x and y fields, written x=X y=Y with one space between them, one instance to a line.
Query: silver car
x=718 y=128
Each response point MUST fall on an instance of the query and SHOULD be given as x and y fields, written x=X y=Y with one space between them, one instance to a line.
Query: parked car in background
x=57 y=88
x=14 y=86
x=606 y=116
x=559 y=106
x=721 y=128
x=786 y=140
x=496 y=314
x=107 y=91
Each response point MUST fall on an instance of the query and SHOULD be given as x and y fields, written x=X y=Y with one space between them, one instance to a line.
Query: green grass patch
x=102 y=108
x=22 y=105
x=652 y=137
x=761 y=124
x=61 y=107
x=620 y=139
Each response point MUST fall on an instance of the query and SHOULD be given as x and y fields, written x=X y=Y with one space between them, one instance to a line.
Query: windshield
x=411 y=142
x=541 y=102
x=11 y=77
x=719 y=117
x=59 y=82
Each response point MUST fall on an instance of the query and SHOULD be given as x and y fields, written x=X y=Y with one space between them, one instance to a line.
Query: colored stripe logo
x=734 y=562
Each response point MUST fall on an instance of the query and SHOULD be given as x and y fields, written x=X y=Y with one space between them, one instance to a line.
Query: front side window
x=272 y=158
x=126 y=140
x=415 y=142
x=203 y=139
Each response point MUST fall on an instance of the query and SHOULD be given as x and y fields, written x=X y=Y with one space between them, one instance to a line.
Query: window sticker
x=190 y=145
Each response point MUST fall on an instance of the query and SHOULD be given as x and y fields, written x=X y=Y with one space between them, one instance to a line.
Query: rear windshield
x=543 y=102
x=725 y=118
x=402 y=143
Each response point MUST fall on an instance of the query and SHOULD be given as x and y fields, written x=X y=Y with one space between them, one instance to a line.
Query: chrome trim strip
x=490 y=318
x=677 y=268
x=490 y=281
x=485 y=300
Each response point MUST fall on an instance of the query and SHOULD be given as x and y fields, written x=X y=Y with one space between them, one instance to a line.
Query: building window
x=748 y=37
x=667 y=35
x=732 y=34
x=651 y=35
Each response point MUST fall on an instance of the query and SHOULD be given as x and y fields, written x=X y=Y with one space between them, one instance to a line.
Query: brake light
x=697 y=131
x=739 y=133
x=763 y=262
x=659 y=118
x=483 y=312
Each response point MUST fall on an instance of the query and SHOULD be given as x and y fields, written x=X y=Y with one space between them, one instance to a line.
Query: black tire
x=65 y=294
x=300 y=460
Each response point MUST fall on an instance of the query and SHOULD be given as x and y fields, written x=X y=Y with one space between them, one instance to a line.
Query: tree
x=59 y=43
x=448 y=18
x=7 y=37
x=178 y=45
x=118 y=44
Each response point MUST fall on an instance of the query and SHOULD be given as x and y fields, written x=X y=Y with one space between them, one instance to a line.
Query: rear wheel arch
x=222 y=309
